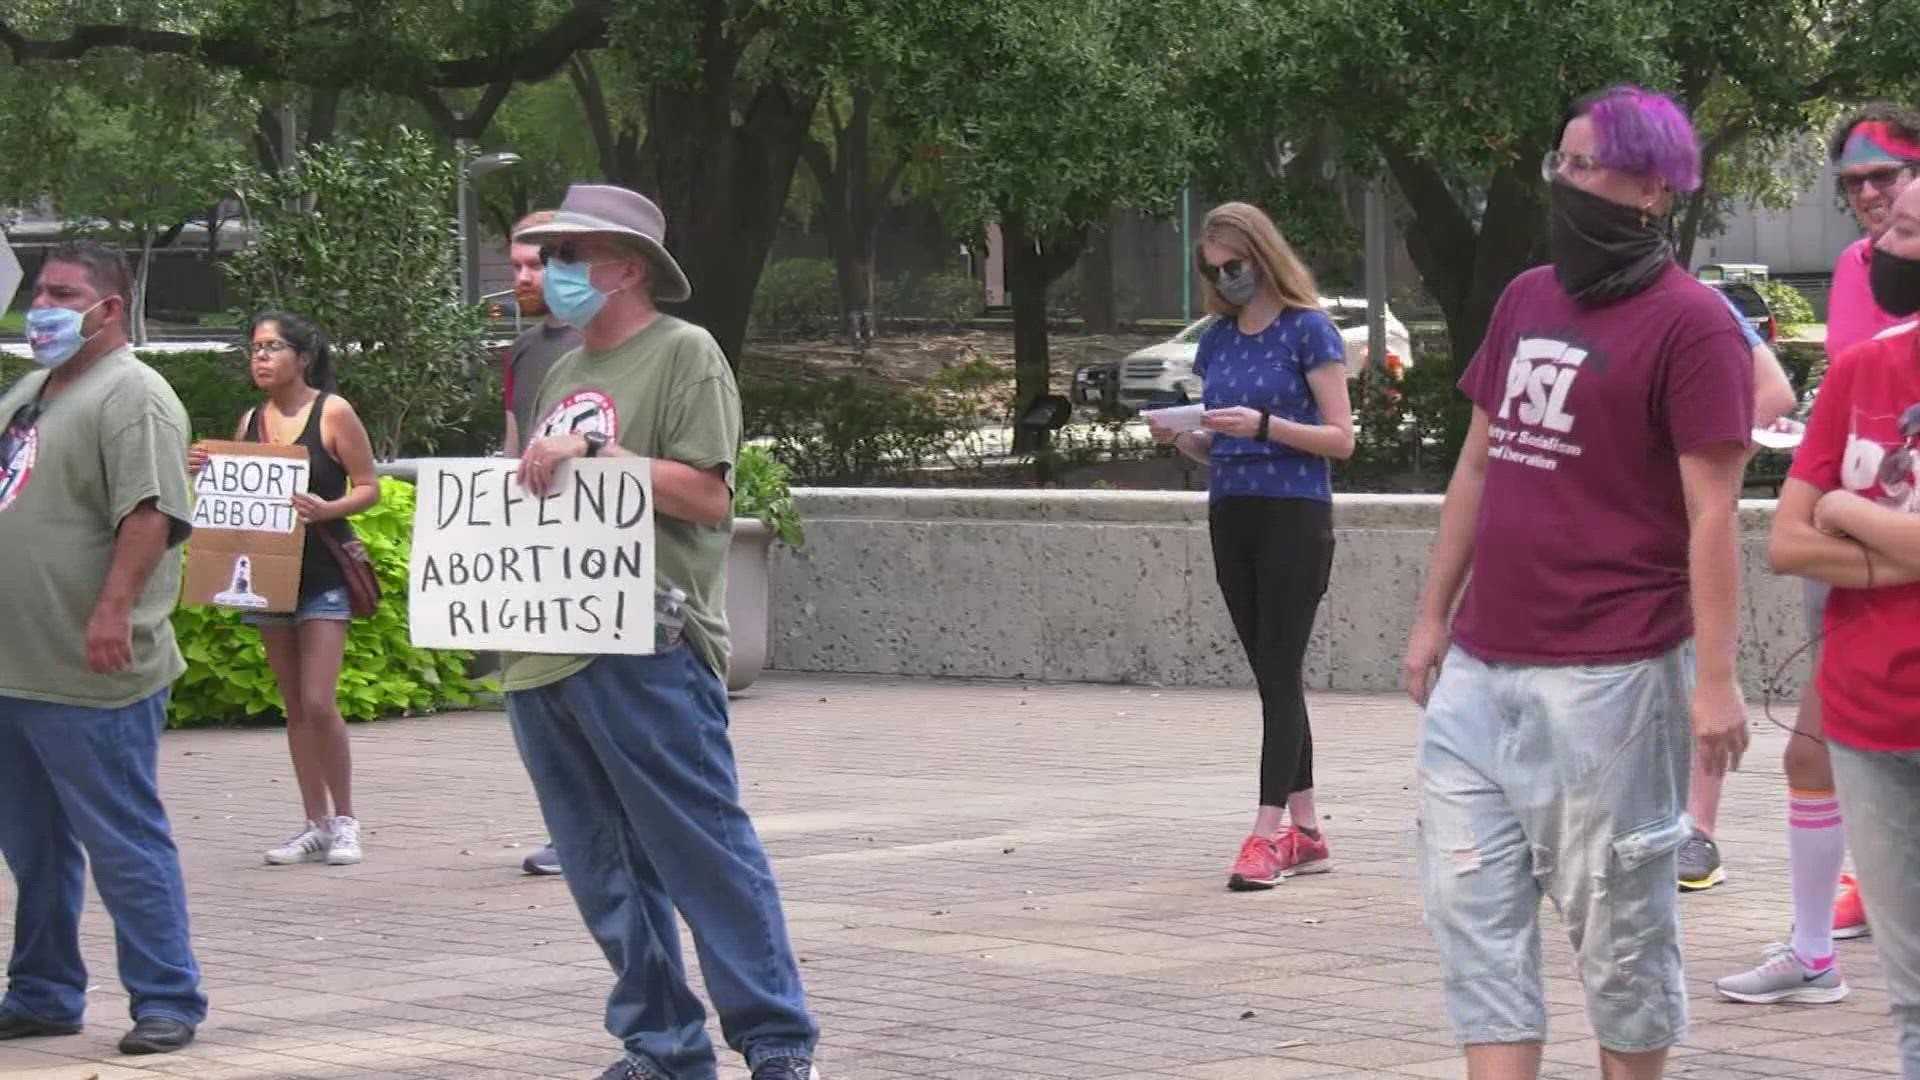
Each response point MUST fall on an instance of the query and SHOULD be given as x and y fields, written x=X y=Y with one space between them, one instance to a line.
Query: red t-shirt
x=1580 y=548
x=1869 y=676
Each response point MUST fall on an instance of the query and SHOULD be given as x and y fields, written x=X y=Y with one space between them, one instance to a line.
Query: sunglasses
x=566 y=251
x=1879 y=179
x=1230 y=268
x=1899 y=464
x=17 y=428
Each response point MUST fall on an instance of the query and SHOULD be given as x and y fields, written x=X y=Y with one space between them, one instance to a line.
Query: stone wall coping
x=1351 y=511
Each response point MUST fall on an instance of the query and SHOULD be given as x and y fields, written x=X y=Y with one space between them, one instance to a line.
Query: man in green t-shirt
x=630 y=755
x=93 y=503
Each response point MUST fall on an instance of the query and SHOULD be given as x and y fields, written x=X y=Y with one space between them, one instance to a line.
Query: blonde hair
x=1247 y=230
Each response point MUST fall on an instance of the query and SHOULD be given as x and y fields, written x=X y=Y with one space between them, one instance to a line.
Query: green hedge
x=228 y=681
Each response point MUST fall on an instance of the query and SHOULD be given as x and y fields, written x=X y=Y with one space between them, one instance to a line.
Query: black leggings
x=1273 y=558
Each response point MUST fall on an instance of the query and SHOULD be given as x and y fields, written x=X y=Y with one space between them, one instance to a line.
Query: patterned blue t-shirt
x=1267 y=370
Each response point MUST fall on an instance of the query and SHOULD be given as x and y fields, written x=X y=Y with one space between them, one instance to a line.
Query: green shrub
x=1790 y=306
x=212 y=384
x=797 y=298
x=227 y=680
x=847 y=431
x=945 y=298
x=761 y=491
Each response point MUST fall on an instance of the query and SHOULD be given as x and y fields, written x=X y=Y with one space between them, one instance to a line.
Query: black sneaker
x=786 y=1068
x=157 y=1035
x=1700 y=863
x=18 y=1025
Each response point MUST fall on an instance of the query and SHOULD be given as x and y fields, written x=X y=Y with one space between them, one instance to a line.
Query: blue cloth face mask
x=571 y=296
x=54 y=333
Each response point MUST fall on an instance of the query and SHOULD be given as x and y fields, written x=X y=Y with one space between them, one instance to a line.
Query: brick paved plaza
x=985 y=881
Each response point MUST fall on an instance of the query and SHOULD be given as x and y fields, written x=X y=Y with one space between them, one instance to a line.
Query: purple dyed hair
x=1643 y=133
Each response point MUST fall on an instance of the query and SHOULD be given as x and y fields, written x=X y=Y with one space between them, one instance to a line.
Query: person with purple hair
x=1593 y=648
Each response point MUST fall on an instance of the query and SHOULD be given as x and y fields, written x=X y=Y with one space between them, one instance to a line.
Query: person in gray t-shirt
x=537 y=348
x=533 y=354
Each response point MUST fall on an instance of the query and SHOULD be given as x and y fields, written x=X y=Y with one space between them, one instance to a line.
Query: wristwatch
x=596 y=441
x=1266 y=418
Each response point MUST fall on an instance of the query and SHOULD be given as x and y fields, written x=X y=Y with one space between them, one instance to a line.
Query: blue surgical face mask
x=571 y=296
x=54 y=333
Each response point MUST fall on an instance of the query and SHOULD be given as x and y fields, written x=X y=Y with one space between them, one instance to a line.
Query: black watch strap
x=1266 y=419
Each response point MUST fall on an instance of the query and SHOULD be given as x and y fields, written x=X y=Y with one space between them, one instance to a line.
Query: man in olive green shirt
x=630 y=755
x=93 y=504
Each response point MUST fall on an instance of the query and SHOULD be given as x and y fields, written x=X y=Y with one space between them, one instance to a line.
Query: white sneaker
x=307 y=845
x=1783 y=978
x=344 y=850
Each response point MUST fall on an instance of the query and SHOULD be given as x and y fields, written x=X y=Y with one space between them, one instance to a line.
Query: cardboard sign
x=494 y=568
x=247 y=540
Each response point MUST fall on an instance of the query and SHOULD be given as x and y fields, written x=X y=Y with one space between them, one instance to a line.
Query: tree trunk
x=1098 y=312
x=852 y=204
x=723 y=188
x=1033 y=262
x=140 y=287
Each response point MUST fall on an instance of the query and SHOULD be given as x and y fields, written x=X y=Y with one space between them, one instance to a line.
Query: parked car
x=1163 y=374
x=1753 y=308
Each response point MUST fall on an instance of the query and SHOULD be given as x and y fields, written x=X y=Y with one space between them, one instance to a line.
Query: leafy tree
x=361 y=238
x=1057 y=114
x=1458 y=102
x=121 y=145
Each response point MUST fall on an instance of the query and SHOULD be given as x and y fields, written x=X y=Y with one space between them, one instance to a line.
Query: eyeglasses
x=271 y=345
x=1231 y=268
x=1881 y=179
x=1899 y=464
x=1556 y=163
x=17 y=428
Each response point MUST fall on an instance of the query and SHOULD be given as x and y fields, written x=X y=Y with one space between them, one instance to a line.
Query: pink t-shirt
x=1869 y=676
x=1852 y=316
x=1580 y=548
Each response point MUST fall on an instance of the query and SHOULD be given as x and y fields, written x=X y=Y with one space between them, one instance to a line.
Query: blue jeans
x=1568 y=782
x=1880 y=803
x=76 y=780
x=635 y=773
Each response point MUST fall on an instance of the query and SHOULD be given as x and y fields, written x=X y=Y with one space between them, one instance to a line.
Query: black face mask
x=1896 y=282
x=1602 y=251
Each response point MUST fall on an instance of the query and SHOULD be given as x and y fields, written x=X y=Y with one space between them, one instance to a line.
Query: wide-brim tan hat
x=619 y=214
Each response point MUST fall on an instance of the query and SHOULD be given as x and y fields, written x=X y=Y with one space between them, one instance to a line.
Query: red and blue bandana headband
x=1875 y=142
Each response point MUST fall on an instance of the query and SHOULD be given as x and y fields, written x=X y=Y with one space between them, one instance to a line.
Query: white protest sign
x=494 y=568
x=10 y=274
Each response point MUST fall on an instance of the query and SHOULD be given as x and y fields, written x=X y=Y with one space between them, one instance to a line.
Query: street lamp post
x=471 y=170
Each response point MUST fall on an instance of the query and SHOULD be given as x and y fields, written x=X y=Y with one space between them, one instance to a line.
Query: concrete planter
x=748 y=605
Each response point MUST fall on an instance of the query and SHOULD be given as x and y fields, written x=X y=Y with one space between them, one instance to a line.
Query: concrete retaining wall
x=1102 y=586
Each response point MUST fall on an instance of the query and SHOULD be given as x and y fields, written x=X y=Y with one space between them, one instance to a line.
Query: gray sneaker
x=1783 y=978
x=1700 y=863
x=542 y=863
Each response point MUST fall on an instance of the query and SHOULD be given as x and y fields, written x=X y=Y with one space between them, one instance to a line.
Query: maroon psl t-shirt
x=1580 y=548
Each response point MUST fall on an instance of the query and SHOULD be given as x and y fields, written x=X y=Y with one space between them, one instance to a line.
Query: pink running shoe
x=1258 y=866
x=1849 y=914
x=1302 y=854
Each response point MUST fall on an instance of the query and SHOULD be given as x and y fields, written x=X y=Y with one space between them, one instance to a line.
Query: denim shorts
x=1568 y=783
x=329 y=606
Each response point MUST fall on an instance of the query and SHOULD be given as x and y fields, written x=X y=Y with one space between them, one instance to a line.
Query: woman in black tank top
x=290 y=363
